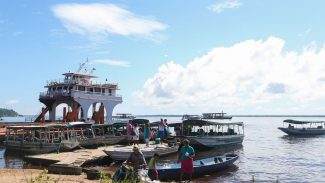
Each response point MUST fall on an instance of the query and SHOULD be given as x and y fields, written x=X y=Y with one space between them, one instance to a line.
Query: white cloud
x=220 y=6
x=101 y=19
x=12 y=102
x=112 y=62
x=249 y=73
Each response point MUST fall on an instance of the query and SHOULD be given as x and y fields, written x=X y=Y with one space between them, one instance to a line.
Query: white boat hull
x=122 y=153
x=216 y=141
x=303 y=131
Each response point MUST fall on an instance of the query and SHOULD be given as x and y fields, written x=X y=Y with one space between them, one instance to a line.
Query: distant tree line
x=8 y=113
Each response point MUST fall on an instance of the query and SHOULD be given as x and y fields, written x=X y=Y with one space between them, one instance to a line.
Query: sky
x=170 y=57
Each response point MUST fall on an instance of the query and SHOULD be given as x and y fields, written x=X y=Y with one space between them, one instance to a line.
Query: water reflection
x=10 y=159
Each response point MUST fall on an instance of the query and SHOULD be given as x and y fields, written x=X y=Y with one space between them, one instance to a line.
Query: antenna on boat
x=82 y=65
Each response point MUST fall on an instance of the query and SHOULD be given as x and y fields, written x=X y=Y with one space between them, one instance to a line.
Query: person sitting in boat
x=152 y=172
x=136 y=159
x=187 y=155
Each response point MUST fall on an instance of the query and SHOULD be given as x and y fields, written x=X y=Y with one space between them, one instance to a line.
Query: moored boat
x=219 y=115
x=121 y=153
x=39 y=139
x=90 y=135
x=172 y=172
x=303 y=128
x=209 y=134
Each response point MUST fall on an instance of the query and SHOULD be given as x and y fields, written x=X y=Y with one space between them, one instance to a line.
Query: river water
x=267 y=155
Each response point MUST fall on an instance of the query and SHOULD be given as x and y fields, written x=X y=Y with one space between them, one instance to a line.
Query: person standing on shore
x=129 y=129
x=135 y=134
x=153 y=172
x=161 y=129
x=188 y=154
x=146 y=134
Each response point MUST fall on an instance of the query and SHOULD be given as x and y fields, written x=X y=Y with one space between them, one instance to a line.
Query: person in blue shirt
x=187 y=155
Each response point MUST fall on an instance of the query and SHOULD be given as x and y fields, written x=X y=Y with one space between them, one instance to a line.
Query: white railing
x=67 y=93
x=78 y=81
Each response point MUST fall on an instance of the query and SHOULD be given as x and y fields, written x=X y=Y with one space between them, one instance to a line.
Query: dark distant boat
x=171 y=172
x=220 y=115
x=303 y=128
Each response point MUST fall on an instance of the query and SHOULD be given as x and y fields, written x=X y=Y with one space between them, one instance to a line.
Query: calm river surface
x=267 y=154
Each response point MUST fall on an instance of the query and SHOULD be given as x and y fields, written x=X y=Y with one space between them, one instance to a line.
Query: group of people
x=185 y=156
x=133 y=133
x=163 y=129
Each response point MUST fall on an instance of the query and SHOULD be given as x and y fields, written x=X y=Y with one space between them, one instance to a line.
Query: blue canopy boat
x=168 y=172
x=303 y=128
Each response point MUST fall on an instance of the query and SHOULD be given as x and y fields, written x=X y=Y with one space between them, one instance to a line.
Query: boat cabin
x=209 y=128
x=45 y=133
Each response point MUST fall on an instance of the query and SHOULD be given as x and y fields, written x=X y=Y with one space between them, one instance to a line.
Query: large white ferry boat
x=80 y=93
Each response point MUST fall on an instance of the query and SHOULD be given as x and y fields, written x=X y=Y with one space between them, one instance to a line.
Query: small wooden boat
x=121 y=153
x=303 y=128
x=171 y=172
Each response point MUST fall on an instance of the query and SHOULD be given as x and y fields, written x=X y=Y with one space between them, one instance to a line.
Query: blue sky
x=170 y=57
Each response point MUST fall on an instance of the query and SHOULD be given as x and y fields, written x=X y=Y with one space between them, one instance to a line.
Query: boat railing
x=96 y=93
x=68 y=93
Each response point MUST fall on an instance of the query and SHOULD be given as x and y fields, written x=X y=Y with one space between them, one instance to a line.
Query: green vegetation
x=43 y=177
x=8 y=113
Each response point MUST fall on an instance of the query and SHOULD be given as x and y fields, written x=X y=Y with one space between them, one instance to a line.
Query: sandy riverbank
x=26 y=175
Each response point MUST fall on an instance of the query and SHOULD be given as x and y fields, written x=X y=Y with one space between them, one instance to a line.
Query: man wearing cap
x=136 y=159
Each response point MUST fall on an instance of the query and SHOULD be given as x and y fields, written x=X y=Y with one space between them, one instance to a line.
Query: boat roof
x=78 y=124
x=300 y=122
x=85 y=75
x=205 y=122
x=140 y=121
x=171 y=124
x=35 y=127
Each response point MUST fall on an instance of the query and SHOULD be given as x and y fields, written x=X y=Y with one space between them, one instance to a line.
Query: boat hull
x=31 y=147
x=303 y=131
x=215 y=141
x=102 y=140
x=120 y=154
x=201 y=168
x=67 y=145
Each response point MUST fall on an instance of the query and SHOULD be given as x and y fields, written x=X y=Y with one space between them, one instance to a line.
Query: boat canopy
x=101 y=125
x=36 y=127
x=171 y=124
x=205 y=123
x=78 y=124
x=140 y=121
x=119 y=124
x=301 y=122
